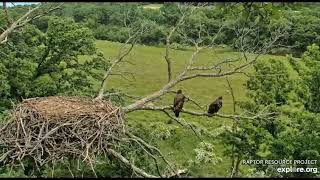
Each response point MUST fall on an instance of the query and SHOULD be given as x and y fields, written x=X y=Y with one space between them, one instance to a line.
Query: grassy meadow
x=149 y=68
x=153 y=6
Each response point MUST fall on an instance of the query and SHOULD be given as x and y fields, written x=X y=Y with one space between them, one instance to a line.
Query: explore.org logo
x=297 y=170
x=284 y=162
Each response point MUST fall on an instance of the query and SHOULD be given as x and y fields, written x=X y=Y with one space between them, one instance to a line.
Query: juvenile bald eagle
x=178 y=103
x=215 y=106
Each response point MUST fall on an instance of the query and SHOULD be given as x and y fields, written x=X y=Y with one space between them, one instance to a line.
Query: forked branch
x=23 y=20
x=180 y=22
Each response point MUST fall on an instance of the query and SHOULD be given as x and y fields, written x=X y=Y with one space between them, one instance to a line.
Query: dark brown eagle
x=215 y=106
x=178 y=103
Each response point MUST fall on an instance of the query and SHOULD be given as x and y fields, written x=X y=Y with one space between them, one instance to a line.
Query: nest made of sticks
x=49 y=128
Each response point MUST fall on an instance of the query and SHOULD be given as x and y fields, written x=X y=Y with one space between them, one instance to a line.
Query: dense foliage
x=290 y=89
x=35 y=63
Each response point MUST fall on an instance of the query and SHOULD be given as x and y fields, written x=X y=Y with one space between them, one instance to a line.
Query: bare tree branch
x=121 y=74
x=121 y=93
x=204 y=114
x=43 y=13
x=188 y=98
x=151 y=149
x=232 y=95
x=182 y=77
x=216 y=66
x=117 y=61
x=149 y=153
x=183 y=123
x=127 y=163
x=6 y=13
x=234 y=129
x=23 y=20
x=123 y=52
x=180 y=22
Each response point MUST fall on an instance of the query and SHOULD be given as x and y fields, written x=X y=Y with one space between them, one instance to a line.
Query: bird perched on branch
x=178 y=102
x=215 y=106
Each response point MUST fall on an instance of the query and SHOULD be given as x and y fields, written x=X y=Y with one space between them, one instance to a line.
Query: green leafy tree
x=312 y=60
x=291 y=132
x=63 y=60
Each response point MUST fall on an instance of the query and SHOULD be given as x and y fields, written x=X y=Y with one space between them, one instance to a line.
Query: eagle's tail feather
x=176 y=113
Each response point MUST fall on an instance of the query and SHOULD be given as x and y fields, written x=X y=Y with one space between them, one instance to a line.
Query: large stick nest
x=49 y=128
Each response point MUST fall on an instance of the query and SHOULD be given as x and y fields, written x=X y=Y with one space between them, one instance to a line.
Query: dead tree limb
x=108 y=73
x=149 y=153
x=121 y=94
x=183 y=124
x=136 y=105
x=232 y=95
x=152 y=148
x=138 y=170
x=23 y=20
x=123 y=52
x=6 y=13
x=130 y=165
x=180 y=22
x=188 y=98
x=185 y=75
x=234 y=128
x=204 y=114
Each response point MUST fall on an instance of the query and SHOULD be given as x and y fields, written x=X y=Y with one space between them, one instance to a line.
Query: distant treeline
x=112 y=21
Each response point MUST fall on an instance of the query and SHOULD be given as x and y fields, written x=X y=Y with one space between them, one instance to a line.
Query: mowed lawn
x=150 y=70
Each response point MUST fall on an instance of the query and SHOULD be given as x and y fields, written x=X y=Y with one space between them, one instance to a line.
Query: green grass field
x=153 y=6
x=149 y=68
